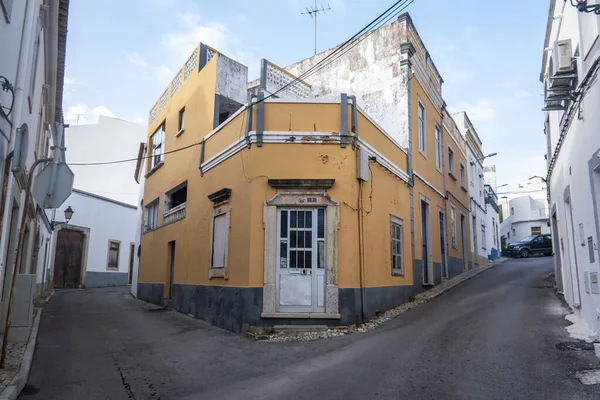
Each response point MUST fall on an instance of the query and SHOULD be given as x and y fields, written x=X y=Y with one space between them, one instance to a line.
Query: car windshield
x=528 y=238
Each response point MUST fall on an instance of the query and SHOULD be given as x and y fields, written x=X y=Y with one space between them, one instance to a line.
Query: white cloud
x=480 y=111
x=162 y=74
x=69 y=81
x=136 y=59
x=182 y=42
x=82 y=114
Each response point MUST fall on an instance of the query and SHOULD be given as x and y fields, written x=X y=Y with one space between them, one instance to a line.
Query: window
x=453 y=224
x=219 y=236
x=396 y=246
x=113 y=255
x=6 y=6
x=463 y=178
x=34 y=67
x=450 y=161
x=512 y=211
x=157 y=141
x=151 y=216
x=438 y=149
x=536 y=230
x=494 y=231
x=176 y=197
x=421 y=128
x=483 y=244
x=589 y=31
x=181 y=122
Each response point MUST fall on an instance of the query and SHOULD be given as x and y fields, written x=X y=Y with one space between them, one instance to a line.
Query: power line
x=142 y=158
x=386 y=16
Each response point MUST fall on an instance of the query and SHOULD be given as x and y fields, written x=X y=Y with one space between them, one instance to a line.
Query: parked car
x=534 y=244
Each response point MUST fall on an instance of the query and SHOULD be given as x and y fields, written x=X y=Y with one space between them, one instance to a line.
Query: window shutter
x=219 y=232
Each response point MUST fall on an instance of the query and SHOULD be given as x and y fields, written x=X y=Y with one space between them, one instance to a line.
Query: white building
x=140 y=178
x=570 y=69
x=33 y=44
x=525 y=211
x=480 y=229
x=109 y=139
x=96 y=247
x=492 y=223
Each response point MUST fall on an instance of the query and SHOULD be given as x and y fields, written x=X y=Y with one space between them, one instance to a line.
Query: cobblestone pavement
x=14 y=356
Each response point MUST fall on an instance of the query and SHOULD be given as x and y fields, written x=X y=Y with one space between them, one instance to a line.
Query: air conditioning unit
x=563 y=56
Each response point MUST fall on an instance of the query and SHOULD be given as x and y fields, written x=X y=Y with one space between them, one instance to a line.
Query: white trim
x=322 y=100
x=429 y=184
x=390 y=166
x=423 y=78
x=231 y=117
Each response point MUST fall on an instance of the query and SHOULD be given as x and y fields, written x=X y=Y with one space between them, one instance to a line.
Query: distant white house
x=108 y=140
x=525 y=211
x=97 y=246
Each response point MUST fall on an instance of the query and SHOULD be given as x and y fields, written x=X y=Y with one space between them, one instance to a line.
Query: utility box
x=362 y=163
x=594 y=283
x=22 y=314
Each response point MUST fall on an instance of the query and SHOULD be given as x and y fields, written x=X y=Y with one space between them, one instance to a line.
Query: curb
x=13 y=390
x=468 y=275
x=47 y=299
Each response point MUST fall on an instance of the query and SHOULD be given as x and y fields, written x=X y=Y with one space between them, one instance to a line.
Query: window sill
x=464 y=189
x=112 y=269
x=440 y=171
x=451 y=174
x=397 y=272
x=423 y=154
x=454 y=247
x=153 y=170
x=298 y=315
x=214 y=273
x=179 y=132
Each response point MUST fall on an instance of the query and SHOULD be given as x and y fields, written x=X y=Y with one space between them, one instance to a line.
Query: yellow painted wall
x=247 y=174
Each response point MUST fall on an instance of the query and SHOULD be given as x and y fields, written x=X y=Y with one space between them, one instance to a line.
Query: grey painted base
x=437 y=273
x=470 y=265
x=151 y=292
x=455 y=267
x=224 y=306
x=102 y=279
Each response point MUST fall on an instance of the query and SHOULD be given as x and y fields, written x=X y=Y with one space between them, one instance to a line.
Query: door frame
x=443 y=241
x=314 y=307
x=298 y=197
x=84 y=253
x=428 y=239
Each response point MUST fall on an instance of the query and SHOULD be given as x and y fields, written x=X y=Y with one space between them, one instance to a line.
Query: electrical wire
x=386 y=16
x=135 y=159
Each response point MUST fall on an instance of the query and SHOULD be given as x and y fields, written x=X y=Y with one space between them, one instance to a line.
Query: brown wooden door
x=67 y=262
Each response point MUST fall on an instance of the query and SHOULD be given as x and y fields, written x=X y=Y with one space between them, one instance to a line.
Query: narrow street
x=493 y=337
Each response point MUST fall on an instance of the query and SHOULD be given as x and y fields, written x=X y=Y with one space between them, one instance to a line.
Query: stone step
x=300 y=328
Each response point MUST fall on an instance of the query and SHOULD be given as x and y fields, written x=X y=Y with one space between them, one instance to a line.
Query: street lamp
x=537 y=176
x=484 y=157
x=69 y=213
x=506 y=184
x=583 y=6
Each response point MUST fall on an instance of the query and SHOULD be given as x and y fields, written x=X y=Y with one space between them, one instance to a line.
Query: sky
x=121 y=55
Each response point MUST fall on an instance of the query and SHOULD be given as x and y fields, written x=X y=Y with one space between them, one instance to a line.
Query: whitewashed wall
x=109 y=139
x=106 y=220
x=572 y=178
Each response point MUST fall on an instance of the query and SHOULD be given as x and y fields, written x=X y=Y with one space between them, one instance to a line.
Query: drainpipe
x=361 y=263
x=20 y=99
x=5 y=177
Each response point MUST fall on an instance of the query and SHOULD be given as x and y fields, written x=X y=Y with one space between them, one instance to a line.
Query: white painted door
x=301 y=258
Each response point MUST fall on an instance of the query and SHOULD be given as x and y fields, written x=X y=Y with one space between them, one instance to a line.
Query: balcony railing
x=174 y=214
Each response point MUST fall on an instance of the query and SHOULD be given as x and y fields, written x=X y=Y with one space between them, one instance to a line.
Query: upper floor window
x=421 y=128
x=450 y=161
x=438 y=149
x=463 y=178
x=151 y=216
x=34 y=67
x=157 y=141
x=180 y=121
x=453 y=224
x=512 y=211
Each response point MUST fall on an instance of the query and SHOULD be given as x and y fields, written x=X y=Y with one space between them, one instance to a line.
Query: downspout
x=26 y=35
x=5 y=177
x=411 y=177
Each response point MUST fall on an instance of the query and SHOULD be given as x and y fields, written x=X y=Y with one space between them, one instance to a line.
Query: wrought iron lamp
x=6 y=86
x=583 y=6
x=69 y=214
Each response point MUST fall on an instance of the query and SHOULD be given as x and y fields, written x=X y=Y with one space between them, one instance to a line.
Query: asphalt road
x=493 y=337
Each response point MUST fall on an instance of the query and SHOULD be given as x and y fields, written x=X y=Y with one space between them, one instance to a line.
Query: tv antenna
x=314 y=12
